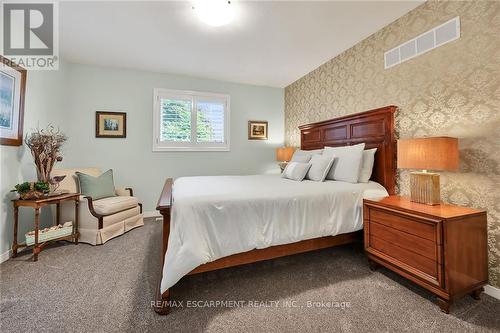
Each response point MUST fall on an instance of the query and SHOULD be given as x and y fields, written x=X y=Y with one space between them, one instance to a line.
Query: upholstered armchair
x=103 y=219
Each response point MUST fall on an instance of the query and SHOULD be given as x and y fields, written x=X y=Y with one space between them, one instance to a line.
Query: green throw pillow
x=97 y=187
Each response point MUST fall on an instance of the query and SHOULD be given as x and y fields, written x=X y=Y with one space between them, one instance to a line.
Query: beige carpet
x=109 y=288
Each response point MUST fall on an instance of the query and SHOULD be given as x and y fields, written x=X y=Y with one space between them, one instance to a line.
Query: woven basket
x=48 y=235
x=31 y=195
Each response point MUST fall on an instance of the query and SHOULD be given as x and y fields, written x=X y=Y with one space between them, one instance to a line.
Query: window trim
x=158 y=146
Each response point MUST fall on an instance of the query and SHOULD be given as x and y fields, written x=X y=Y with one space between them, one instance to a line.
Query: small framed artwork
x=257 y=130
x=12 y=91
x=110 y=124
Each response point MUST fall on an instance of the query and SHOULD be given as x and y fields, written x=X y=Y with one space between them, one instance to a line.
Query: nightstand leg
x=36 y=249
x=444 y=305
x=373 y=265
x=75 y=225
x=476 y=294
x=14 y=243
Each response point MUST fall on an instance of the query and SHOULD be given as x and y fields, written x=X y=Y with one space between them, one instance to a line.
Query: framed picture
x=257 y=130
x=12 y=91
x=110 y=124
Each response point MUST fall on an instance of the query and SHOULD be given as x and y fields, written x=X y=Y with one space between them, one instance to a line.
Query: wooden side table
x=37 y=204
x=442 y=248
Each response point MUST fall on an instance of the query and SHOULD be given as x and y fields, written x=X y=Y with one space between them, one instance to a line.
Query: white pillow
x=320 y=165
x=304 y=156
x=367 y=165
x=347 y=163
x=296 y=171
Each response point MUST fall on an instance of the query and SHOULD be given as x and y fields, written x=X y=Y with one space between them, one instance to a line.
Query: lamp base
x=282 y=166
x=424 y=188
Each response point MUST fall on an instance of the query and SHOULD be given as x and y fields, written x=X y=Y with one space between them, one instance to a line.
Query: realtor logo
x=30 y=35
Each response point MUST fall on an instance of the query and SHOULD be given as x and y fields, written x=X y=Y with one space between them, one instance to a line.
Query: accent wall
x=453 y=90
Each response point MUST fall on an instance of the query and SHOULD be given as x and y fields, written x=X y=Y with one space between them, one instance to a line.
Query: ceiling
x=268 y=43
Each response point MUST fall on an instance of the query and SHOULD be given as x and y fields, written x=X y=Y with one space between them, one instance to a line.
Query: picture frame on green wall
x=110 y=124
x=257 y=130
x=12 y=94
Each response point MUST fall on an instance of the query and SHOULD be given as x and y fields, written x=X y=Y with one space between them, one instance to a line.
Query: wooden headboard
x=374 y=127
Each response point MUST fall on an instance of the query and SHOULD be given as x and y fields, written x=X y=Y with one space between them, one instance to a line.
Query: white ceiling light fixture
x=214 y=12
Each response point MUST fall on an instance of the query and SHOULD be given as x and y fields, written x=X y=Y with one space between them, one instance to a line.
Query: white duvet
x=217 y=216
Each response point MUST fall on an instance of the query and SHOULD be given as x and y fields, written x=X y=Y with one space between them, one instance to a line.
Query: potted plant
x=31 y=190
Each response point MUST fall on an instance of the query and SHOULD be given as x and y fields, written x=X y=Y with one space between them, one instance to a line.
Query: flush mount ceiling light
x=214 y=12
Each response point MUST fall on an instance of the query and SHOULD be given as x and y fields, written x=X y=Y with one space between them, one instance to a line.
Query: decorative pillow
x=296 y=171
x=347 y=164
x=367 y=165
x=320 y=165
x=97 y=187
x=304 y=156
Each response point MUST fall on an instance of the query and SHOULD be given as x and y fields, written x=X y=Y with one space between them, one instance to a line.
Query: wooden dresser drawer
x=424 y=228
x=410 y=242
x=421 y=246
x=421 y=266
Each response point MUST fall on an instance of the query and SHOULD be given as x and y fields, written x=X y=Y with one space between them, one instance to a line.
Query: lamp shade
x=436 y=153
x=284 y=154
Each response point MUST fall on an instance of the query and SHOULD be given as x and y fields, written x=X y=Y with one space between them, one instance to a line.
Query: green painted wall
x=69 y=99
x=44 y=104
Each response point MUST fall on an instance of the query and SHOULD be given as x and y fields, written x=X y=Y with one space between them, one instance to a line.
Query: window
x=190 y=121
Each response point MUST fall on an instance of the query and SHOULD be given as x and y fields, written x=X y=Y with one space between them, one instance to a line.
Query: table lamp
x=284 y=155
x=434 y=153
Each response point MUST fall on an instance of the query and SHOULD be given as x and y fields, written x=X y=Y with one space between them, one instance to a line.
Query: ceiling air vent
x=440 y=35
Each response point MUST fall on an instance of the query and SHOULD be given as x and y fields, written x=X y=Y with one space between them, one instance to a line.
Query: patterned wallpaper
x=453 y=90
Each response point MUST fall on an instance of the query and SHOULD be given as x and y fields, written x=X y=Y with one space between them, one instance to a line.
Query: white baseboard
x=151 y=214
x=5 y=256
x=492 y=291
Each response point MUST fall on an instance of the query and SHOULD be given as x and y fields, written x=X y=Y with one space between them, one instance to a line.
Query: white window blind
x=190 y=121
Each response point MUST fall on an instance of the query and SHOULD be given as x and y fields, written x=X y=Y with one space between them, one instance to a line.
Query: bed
x=215 y=222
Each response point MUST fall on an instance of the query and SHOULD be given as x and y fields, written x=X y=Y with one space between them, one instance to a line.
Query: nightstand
x=442 y=248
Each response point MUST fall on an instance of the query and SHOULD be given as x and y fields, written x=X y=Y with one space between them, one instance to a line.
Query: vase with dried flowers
x=45 y=145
